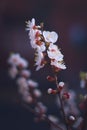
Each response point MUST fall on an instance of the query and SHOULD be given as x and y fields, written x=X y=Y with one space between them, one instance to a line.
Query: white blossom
x=54 y=53
x=49 y=90
x=42 y=47
x=50 y=36
x=35 y=38
x=34 y=34
x=61 y=84
x=57 y=64
x=39 y=60
x=43 y=43
x=71 y=117
x=30 y=24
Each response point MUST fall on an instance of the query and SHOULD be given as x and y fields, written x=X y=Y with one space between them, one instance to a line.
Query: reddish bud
x=50 y=78
x=60 y=86
x=56 y=70
x=71 y=119
x=66 y=95
x=51 y=91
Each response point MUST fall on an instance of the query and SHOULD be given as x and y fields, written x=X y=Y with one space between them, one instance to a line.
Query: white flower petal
x=50 y=36
x=58 y=64
x=54 y=53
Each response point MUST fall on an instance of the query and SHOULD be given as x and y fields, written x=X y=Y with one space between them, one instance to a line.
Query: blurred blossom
x=37 y=93
x=53 y=118
x=27 y=98
x=23 y=91
x=78 y=122
x=13 y=72
x=82 y=83
x=14 y=59
x=25 y=73
x=22 y=82
x=70 y=105
x=72 y=95
x=40 y=108
x=23 y=63
x=17 y=60
x=32 y=83
x=27 y=87
x=22 y=85
x=83 y=79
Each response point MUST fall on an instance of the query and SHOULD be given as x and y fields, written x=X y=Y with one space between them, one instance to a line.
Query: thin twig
x=61 y=103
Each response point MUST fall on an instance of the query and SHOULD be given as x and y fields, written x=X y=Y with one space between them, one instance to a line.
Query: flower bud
x=51 y=91
x=60 y=86
x=66 y=95
x=50 y=78
x=72 y=118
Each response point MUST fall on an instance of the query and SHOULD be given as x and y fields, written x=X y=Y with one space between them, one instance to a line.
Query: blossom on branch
x=43 y=43
x=54 y=53
x=50 y=37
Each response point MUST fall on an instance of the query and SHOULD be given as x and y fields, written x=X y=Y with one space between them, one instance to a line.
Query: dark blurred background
x=69 y=19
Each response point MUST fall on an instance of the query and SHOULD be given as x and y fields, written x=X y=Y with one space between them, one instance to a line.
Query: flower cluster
x=47 y=53
x=17 y=62
x=27 y=87
x=43 y=43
